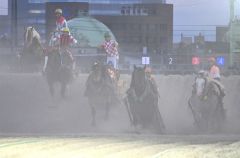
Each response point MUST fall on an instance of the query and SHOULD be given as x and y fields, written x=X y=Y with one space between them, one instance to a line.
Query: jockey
x=52 y=45
x=152 y=80
x=53 y=40
x=61 y=22
x=111 y=48
x=63 y=42
x=214 y=71
x=148 y=72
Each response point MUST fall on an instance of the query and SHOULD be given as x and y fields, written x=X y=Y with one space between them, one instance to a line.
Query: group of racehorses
x=141 y=100
x=58 y=65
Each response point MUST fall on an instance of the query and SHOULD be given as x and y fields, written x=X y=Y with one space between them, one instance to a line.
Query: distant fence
x=160 y=63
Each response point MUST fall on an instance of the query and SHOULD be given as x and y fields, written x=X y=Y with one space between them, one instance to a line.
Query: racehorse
x=101 y=90
x=31 y=56
x=142 y=102
x=206 y=104
x=58 y=70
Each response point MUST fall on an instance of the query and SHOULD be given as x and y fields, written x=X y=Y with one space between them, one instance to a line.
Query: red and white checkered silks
x=111 y=48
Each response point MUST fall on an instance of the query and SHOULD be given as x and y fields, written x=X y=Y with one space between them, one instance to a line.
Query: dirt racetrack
x=27 y=107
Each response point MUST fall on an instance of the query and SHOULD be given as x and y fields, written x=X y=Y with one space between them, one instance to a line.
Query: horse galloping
x=142 y=102
x=58 y=70
x=101 y=90
x=206 y=104
x=30 y=57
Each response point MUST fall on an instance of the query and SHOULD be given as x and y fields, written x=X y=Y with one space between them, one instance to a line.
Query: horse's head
x=201 y=83
x=97 y=72
x=28 y=36
x=139 y=77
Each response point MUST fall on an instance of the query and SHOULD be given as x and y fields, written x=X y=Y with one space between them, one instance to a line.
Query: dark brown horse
x=58 y=70
x=101 y=90
x=142 y=102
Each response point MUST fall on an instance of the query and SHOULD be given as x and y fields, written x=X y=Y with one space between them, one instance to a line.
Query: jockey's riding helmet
x=148 y=70
x=66 y=30
x=107 y=34
x=212 y=59
x=58 y=11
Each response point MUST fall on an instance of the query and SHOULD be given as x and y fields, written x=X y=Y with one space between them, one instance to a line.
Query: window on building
x=138 y=10
x=163 y=27
x=123 y=10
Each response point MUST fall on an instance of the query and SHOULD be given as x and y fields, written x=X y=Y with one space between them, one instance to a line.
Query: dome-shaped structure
x=88 y=31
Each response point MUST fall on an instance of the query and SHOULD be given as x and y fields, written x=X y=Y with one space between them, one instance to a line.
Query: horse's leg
x=51 y=87
x=218 y=115
x=107 y=107
x=63 y=89
x=93 y=110
x=205 y=121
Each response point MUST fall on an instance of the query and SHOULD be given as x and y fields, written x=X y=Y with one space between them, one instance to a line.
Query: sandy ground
x=121 y=146
x=28 y=109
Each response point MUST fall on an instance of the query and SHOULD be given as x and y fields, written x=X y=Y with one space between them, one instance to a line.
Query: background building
x=5 y=14
x=137 y=23
x=221 y=32
x=142 y=25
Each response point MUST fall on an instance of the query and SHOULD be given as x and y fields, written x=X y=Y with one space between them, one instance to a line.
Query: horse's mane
x=28 y=34
x=133 y=80
x=103 y=85
x=140 y=89
x=93 y=72
x=213 y=85
x=143 y=86
x=31 y=35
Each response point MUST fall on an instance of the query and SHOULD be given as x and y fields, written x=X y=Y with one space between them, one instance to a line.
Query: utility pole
x=14 y=25
x=234 y=33
x=231 y=32
x=232 y=11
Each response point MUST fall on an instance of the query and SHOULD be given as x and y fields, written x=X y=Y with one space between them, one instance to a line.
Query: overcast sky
x=200 y=13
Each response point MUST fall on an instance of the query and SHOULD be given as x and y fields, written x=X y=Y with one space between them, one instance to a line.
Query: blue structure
x=220 y=61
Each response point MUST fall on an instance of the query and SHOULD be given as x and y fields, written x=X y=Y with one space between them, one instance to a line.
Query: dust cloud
x=28 y=108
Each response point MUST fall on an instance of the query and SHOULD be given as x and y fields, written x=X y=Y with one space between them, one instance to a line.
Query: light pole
x=231 y=31
x=14 y=25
